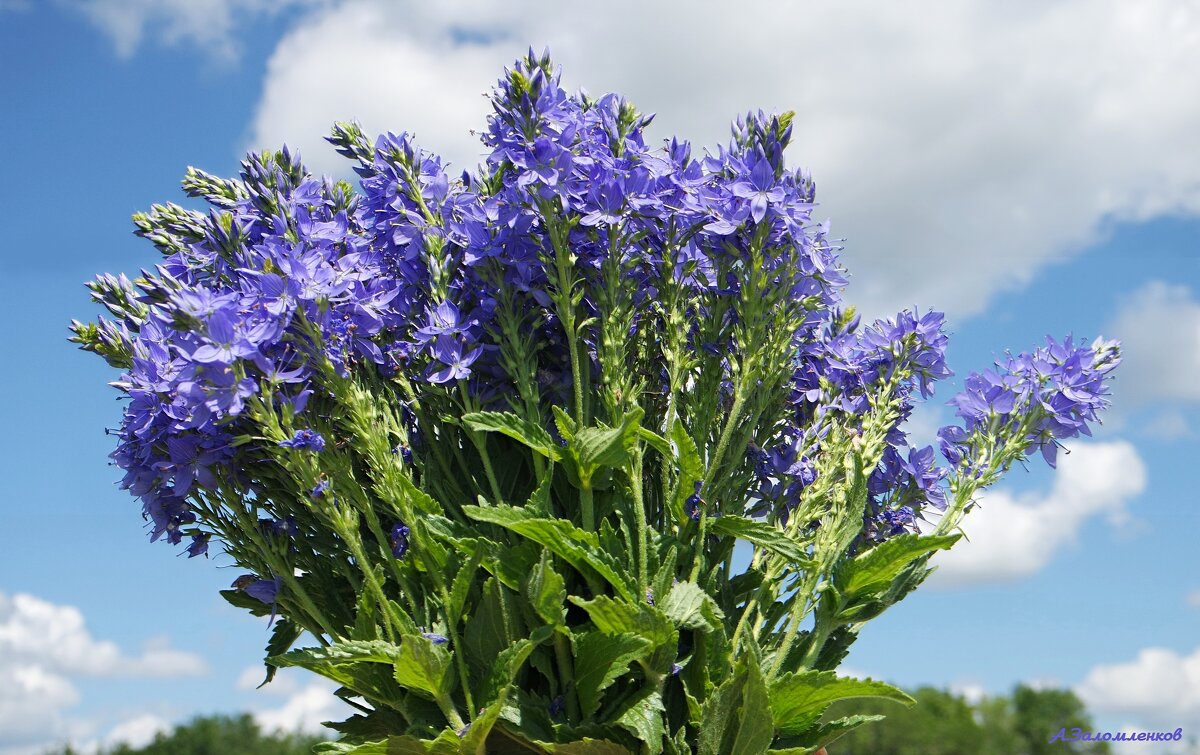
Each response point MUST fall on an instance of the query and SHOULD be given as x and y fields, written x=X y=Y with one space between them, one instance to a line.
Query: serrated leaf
x=820 y=735
x=422 y=666
x=423 y=500
x=460 y=588
x=491 y=628
x=587 y=746
x=692 y=608
x=519 y=429
x=566 y=426
x=619 y=617
x=365 y=626
x=736 y=718
x=642 y=717
x=547 y=591
x=578 y=548
x=691 y=468
x=602 y=447
x=504 y=672
x=377 y=724
x=599 y=659
x=798 y=700
x=340 y=654
x=283 y=636
x=763 y=535
x=875 y=570
x=656 y=441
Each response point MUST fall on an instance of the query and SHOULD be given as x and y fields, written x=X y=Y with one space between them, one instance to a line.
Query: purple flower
x=758 y=185
x=199 y=545
x=264 y=590
x=399 y=539
x=456 y=363
x=305 y=440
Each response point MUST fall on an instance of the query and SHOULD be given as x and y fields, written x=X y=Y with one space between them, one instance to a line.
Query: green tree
x=218 y=735
x=942 y=723
x=939 y=724
x=1041 y=713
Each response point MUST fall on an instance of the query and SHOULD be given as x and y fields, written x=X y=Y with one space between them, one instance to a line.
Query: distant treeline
x=941 y=723
x=216 y=735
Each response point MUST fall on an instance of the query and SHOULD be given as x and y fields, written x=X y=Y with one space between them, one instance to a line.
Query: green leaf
x=566 y=426
x=656 y=441
x=339 y=660
x=874 y=570
x=763 y=535
x=691 y=468
x=283 y=637
x=504 y=672
x=578 y=548
x=365 y=626
x=461 y=587
x=588 y=746
x=599 y=659
x=492 y=627
x=519 y=429
x=619 y=617
x=547 y=591
x=692 y=608
x=643 y=718
x=340 y=654
x=736 y=718
x=798 y=700
x=820 y=735
x=600 y=447
x=423 y=500
x=423 y=666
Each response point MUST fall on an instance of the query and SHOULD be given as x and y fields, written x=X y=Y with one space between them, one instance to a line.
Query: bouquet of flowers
x=581 y=453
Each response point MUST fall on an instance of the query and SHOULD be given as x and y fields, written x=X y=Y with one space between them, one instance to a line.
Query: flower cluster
x=1037 y=399
x=350 y=388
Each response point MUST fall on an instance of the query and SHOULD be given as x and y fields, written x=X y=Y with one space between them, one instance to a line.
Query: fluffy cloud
x=1159 y=688
x=1016 y=536
x=1159 y=327
x=56 y=638
x=208 y=24
x=958 y=147
x=43 y=647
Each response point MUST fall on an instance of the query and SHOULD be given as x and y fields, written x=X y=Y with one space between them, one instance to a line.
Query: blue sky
x=968 y=169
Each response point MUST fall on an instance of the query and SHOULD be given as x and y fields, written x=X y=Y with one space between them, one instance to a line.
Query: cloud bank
x=959 y=148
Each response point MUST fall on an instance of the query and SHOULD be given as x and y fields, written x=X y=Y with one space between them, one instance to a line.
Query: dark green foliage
x=217 y=735
x=942 y=723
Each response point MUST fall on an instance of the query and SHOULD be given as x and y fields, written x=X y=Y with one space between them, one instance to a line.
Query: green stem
x=585 y=505
x=567 y=669
x=480 y=443
x=639 y=513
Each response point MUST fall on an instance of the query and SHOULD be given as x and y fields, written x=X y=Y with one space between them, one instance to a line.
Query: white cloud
x=207 y=24
x=138 y=731
x=1193 y=599
x=1159 y=327
x=1011 y=537
x=1159 y=688
x=45 y=646
x=304 y=710
x=55 y=637
x=958 y=147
